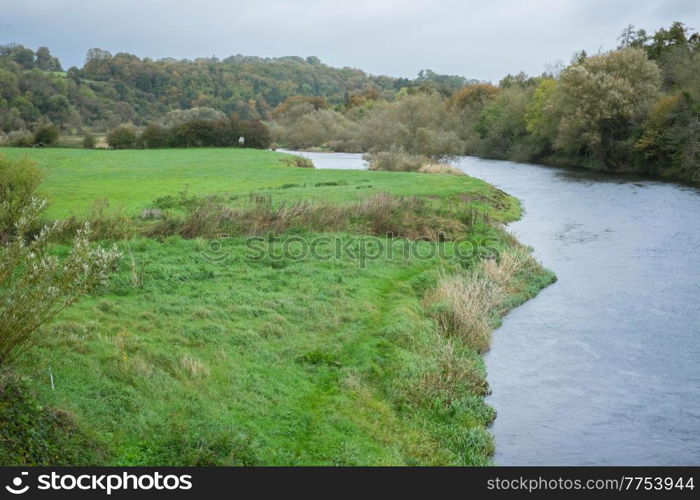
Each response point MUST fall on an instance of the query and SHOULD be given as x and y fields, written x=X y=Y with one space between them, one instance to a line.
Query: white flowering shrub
x=34 y=285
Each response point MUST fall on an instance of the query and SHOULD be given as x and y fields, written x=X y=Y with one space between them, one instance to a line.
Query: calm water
x=603 y=367
x=339 y=161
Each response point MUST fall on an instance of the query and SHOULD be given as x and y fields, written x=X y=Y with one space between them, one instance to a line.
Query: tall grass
x=440 y=168
x=380 y=214
x=396 y=160
x=471 y=304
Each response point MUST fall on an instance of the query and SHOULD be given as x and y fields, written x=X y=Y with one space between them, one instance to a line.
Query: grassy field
x=132 y=179
x=288 y=359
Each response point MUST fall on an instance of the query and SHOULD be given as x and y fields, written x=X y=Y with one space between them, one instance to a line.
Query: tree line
x=110 y=90
x=192 y=133
x=635 y=108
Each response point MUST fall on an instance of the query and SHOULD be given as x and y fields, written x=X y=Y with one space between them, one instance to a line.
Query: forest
x=634 y=108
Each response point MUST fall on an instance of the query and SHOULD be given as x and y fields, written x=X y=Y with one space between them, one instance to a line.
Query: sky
x=484 y=39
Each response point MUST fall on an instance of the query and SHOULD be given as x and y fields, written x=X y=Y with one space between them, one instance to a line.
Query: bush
x=32 y=434
x=298 y=161
x=155 y=137
x=440 y=168
x=467 y=306
x=46 y=135
x=257 y=135
x=223 y=132
x=88 y=141
x=194 y=133
x=396 y=160
x=123 y=137
x=34 y=285
x=18 y=180
x=20 y=138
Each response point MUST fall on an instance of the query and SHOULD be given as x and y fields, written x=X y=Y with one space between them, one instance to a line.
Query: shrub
x=257 y=135
x=123 y=137
x=440 y=168
x=223 y=132
x=195 y=133
x=33 y=434
x=466 y=306
x=396 y=160
x=34 y=285
x=18 y=180
x=298 y=161
x=88 y=141
x=378 y=215
x=20 y=138
x=154 y=137
x=180 y=116
x=46 y=135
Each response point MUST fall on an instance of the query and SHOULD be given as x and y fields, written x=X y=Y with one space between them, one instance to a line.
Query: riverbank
x=642 y=172
x=324 y=342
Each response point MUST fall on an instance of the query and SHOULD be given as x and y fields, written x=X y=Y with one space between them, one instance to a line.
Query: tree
x=45 y=61
x=467 y=104
x=671 y=136
x=195 y=133
x=180 y=116
x=9 y=87
x=88 y=141
x=501 y=124
x=627 y=37
x=123 y=137
x=97 y=55
x=472 y=98
x=46 y=135
x=314 y=102
x=154 y=137
x=542 y=117
x=23 y=56
x=667 y=39
x=257 y=135
x=602 y=98
x=417 y=124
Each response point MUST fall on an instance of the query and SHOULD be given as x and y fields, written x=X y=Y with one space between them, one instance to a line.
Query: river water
x=602 y=367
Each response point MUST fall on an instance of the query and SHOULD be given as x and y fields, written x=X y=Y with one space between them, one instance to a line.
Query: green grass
x=275 y=361
x=132 y=179
x=270 y=362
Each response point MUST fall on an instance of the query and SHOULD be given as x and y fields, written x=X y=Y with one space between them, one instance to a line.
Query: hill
x=113 y=89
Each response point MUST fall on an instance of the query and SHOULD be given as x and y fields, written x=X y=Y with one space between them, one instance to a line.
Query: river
x=602 y=367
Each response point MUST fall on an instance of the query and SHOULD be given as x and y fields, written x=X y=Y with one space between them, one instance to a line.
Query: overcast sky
x=484 y=39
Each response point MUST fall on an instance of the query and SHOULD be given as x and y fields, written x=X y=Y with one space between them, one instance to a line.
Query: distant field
x=132 y=179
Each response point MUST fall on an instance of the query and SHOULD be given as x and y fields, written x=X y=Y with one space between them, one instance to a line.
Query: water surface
x=603 y=367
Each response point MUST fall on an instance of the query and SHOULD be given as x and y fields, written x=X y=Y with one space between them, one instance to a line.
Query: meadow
x=197 y=353
x=130 y=180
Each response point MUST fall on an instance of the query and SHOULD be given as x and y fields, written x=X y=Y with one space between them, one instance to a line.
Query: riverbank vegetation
x=262 y=313
x=636 y=108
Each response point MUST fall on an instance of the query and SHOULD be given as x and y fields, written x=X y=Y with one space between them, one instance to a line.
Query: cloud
x=477 y=39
